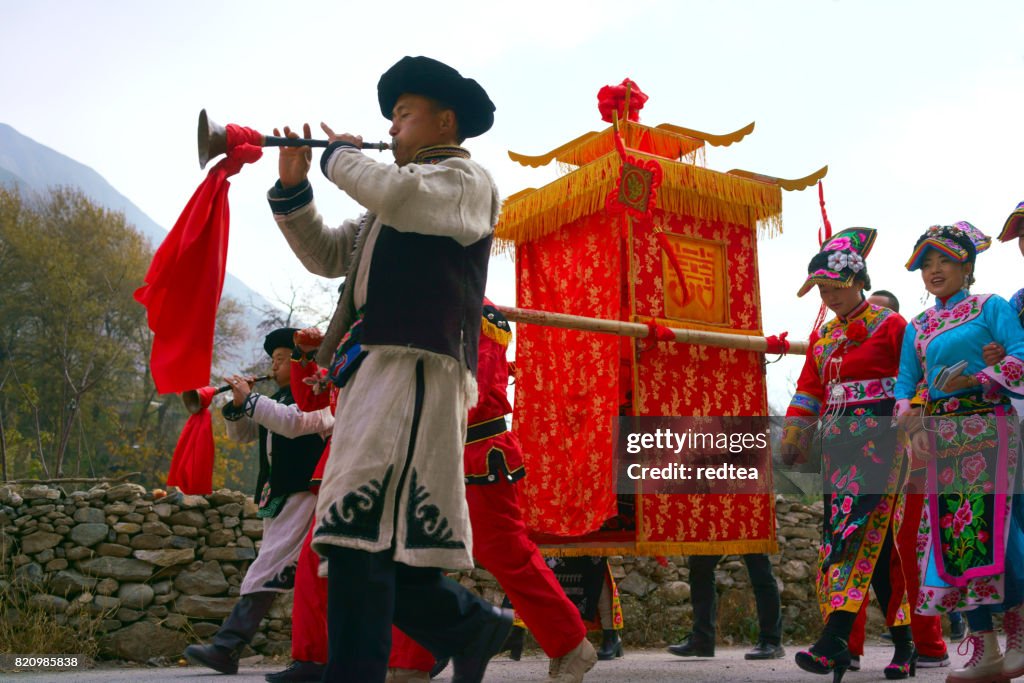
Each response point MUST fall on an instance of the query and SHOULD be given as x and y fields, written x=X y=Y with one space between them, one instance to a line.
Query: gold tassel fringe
x=495 y=333
x=739 y=547
x=685 y=189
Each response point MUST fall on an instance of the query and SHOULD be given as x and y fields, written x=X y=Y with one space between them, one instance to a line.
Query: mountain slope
x=29 y=165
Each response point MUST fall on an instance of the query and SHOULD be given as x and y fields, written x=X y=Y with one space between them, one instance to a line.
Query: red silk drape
x=691 y=380
x=185 y=279
x=192 y=462
x=567 y=382
x=569 y=385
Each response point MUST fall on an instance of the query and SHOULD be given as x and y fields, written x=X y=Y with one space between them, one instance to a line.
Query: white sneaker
x=553 y=667
x=985 y=664
x=1013 y=625
x=407 y=676
x=570 y=667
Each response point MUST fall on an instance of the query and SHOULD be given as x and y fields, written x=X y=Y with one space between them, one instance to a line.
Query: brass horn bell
x=212 y=140
x=193 y=401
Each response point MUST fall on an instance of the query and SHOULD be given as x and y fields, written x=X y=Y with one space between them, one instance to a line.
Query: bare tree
x=308 y=305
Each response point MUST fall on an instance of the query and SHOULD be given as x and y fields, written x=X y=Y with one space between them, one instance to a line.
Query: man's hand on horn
x=294 y=162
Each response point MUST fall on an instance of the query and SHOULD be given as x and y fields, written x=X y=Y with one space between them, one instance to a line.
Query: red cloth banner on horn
x=192 y=462
x=185 y=279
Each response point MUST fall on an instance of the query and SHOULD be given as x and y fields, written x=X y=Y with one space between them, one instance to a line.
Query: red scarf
x=185 y=279
x=192 y=462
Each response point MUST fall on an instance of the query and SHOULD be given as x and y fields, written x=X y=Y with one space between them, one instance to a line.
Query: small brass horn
x=193 y=402
x=213 y=140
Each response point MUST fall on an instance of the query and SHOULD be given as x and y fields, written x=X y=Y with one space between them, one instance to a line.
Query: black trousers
x=704 y=597
x=367 y=592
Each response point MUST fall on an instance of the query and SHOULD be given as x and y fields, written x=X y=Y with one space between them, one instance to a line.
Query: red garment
x=857 y=631
x=864 y=346
x=927 y=629
x=876 y=357
x=903 y=572
x=309 y=607
x=503 y=450
x=307 y=401
x=192 y=462
x=406 y=653
x=492 y=368
x=185 y=279
x=500 y=544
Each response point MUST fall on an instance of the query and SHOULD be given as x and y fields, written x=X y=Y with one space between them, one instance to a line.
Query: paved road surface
x=637 y=666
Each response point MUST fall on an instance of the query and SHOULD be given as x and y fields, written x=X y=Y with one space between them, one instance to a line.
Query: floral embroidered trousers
x=970 y=540
x=861 y=465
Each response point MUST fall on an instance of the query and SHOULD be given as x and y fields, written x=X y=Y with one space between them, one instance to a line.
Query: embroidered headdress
x=961 y=242
x=841 y=259
x=1014 y=225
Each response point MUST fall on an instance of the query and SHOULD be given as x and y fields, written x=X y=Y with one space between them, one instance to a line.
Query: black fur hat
x=474 y=110
x=281 y=338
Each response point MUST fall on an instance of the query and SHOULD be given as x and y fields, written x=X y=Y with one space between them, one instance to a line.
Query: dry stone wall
x=160 y=573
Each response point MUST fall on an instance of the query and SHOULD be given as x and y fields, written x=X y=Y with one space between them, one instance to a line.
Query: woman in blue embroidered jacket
x=847 y=384
x=970 y=545
x=1013 y=228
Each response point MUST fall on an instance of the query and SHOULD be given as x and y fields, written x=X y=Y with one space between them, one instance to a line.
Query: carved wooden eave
x=790 y=185
x=664 y=140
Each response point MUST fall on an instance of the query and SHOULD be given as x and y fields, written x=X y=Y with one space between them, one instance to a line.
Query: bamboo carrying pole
x=640 y=330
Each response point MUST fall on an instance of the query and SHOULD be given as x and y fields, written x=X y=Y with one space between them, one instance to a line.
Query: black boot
x=514 y=643
x=904 y=659
x=440 y=664
x=235 y=633
x=298 y=672
x=469 y=666
x=693 y=646
x=213 y=657
x=830 y=653
x=611 y=645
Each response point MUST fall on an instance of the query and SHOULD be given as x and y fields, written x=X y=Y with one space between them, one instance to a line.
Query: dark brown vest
x=426 y=292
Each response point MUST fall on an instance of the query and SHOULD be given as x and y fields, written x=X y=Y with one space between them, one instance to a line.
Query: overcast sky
x=915 y=106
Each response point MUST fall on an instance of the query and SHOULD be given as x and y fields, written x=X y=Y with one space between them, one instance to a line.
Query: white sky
x=915 y=106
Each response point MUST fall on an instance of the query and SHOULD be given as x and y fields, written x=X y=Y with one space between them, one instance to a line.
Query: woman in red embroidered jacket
x=844 y=400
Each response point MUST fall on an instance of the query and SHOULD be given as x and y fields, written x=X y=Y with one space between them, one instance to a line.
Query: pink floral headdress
x=840 y=259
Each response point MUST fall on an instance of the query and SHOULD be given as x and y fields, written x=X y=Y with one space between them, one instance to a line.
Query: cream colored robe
x=360 y=505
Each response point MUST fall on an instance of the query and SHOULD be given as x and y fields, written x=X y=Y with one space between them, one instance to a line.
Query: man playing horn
x=402 y=347
x=290 y=444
